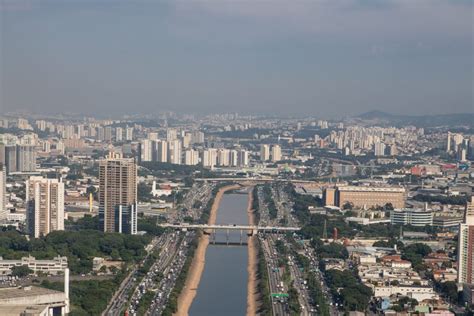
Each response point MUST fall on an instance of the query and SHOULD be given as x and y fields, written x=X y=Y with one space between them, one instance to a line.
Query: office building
x=411 y=216
x=45 y=206
x=264 y=152
x=366 y=196
x=118 y=194
x=466 y=246
x=276 y=153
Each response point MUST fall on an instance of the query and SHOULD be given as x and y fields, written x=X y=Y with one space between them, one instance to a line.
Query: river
x=223 y=286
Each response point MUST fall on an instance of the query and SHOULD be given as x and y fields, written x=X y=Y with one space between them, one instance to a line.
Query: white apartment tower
x=45 y=205
x=191 y=157
x=466 y=246
x=174 y=152
x=264 y=152
x=276 y=153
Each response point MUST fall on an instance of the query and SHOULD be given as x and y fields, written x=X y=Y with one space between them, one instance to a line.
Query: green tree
x=21 y=271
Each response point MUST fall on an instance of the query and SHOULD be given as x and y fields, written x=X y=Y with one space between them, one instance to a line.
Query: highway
x=120 y=296
x=276 y=284
x=168 y=243
x=170 y=267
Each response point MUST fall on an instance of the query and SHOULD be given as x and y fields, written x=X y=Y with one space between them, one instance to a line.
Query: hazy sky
x=301 y=57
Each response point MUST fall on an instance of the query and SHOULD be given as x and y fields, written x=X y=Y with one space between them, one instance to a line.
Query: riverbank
x=252 y=291
x=189 y=292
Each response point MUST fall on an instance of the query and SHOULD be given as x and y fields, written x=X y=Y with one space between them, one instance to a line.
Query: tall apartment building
x=45 y=206
x=18 y=158
x=129 y=133
x=233 y=158
x=3 y=179
x=118 y=134
x=160 y=152
x=146 y=146
x=209 y=157
x=191 y=157
x=466 y=246
x=276 y=153
x=118 y=194
x=223 y=157
x=171 y=135
x=197 y=137
x=242 y=158
x=366 y=197
x=379 y=149
x=174 y=152
x=264 y=152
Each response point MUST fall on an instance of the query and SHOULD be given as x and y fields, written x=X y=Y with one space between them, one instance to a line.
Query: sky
x=324 y=58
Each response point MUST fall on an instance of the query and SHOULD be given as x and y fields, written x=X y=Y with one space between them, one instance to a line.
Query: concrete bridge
x=250 y=229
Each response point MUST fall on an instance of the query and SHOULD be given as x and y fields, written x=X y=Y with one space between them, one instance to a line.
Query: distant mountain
x=451 y=120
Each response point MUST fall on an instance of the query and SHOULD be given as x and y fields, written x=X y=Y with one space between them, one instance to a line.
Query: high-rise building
x=197 y=137
x=19 y=158
x=171 y=135
x=186 y=140
x=448 y=142
x=26 y=158
x=209 y=157
x=379 y=149
x=276 y=153
x=129 y=133
x=191 y=157
x=233 y=158
x=3 y=179
x=174 y=152
x=118 y=194
x=45 y=205
x=162 y=151
x=264 y=152
x=242 y=158
x=118 y=134
x=9 y=154
x=153 y=136
x=146 y=150
x=466 y=246
x=223 y=157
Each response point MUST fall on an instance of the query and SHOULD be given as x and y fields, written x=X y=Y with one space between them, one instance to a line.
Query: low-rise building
x=411 y=216
x=413 y=291
x=53 y=266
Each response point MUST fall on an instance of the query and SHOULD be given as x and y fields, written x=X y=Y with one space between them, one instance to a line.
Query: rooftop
x=9 y=293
